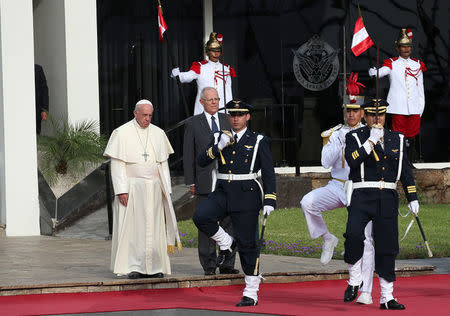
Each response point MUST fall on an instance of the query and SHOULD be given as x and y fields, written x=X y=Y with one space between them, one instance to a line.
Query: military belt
x=237 y=177
x=375 y=184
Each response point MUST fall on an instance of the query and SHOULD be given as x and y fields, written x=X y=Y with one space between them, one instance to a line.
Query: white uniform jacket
x=333 y=153
x=210 y=74
x=406 y=95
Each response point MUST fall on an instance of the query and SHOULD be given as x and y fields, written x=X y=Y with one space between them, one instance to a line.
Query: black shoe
x=247 y=301
x=228 y=271
x=137 y=275
x=392 y=304
x=210 y=271
x=156 y=275
x=134 y=275
x=351 y=292
x=224 y=255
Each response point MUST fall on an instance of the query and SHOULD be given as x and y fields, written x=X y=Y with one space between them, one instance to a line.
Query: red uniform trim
x=387 y=63
x=196 y=67
x=422 y=65
x=232 y=72
x=204 y=62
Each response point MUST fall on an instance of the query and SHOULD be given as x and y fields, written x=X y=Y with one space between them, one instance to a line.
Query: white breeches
x=320 y=200
x=327 y=198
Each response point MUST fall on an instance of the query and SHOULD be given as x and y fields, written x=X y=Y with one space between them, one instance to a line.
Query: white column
x=82 y=60
x=207 y=19
x=19 y=206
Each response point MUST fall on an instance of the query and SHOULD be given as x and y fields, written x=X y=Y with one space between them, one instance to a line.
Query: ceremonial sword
x=430 y=254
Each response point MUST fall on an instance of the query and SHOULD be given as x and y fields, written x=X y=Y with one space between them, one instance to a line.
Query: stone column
x=19 y=206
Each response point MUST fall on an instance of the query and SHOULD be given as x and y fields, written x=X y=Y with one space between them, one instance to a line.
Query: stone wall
x=433 y=185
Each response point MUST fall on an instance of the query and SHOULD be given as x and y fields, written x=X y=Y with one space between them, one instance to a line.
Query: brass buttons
x=231 y=161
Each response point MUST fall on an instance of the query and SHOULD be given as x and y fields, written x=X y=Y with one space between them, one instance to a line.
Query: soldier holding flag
x=332 y=196
x=209 y=73
x=406 y=96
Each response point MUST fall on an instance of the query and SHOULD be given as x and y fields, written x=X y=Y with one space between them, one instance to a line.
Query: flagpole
x=173 y=62
x=344 y=65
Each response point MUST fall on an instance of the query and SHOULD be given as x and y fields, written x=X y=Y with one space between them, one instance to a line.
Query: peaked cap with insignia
x=371 y=106
x=238 y=106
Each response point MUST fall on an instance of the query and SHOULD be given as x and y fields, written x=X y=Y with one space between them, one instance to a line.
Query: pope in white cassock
x=145 y=226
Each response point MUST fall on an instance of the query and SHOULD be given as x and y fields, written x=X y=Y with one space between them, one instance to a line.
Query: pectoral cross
x=145 y=155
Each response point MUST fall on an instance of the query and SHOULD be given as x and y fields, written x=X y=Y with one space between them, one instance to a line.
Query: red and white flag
x=361 y=40
x=161 y=24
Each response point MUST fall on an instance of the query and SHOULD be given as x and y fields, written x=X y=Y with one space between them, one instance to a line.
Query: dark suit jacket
x=197 y=136
x=41 y=94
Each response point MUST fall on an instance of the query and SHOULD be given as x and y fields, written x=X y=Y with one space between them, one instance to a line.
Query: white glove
x=414 y=207
x=341 y=135
x=267 y=210
x=224 y=141
x=175 y=72
x=372 y=72
x=376 y=134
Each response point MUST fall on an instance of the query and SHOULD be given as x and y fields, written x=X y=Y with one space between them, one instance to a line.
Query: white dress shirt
x=239 y=134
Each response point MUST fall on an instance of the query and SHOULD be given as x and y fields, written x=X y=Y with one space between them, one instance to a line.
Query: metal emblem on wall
x=316 y=64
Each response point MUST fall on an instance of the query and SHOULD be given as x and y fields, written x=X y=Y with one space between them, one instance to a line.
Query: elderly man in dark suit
x=198 y=134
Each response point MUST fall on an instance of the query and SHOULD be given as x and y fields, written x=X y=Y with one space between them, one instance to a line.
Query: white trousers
x=328 y=198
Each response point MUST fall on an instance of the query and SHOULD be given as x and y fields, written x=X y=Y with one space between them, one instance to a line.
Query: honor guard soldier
x=377 y=162
x=240 y=155
x=332 y=195
x=209 y=73
x=406 y=96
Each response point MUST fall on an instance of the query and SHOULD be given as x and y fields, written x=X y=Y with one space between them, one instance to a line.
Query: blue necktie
x=214 y=127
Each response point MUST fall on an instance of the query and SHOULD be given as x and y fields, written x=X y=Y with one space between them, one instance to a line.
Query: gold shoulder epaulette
x=326 y=134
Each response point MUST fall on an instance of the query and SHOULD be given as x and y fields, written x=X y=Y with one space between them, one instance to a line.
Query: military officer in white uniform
x=332 y=196
x=209 y=73
x=406 y=96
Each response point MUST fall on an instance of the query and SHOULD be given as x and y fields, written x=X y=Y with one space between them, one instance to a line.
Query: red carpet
x=421 y=295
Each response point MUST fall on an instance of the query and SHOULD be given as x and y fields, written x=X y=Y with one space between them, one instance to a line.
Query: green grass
x=286 y=233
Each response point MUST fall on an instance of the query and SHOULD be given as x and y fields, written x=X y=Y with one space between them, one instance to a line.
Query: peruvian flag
x=361 y=40
x=161 y=24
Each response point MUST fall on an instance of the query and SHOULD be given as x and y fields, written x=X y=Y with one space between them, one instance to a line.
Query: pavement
x=78 y=259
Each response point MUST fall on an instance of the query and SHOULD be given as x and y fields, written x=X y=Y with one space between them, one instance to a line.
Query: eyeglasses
x=212 y=99
x=237 y=113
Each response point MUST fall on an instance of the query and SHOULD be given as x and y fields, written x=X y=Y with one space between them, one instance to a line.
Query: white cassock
x=332 y=196
x=146 y=229
x=210 y=74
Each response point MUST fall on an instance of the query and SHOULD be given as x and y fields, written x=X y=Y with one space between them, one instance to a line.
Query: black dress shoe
x=224 y=255
x=392 y=304
x=156 y=275
x=134 y=275
x=351 y=292
x=228 y=271
x=247 y=301
x=210 y=271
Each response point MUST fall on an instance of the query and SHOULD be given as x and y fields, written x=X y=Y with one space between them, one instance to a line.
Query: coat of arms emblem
x=316 y=64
